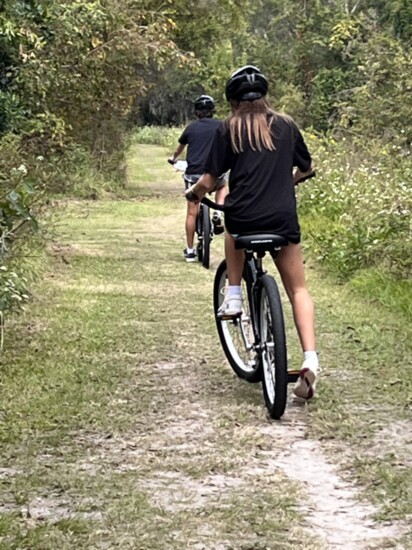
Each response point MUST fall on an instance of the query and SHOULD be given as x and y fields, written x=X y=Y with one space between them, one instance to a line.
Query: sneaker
x=305 y=384
x=231 y=307
x=189 y=256
x=217 y=224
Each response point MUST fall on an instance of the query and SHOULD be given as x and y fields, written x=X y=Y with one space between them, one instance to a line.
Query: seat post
x=259 y=263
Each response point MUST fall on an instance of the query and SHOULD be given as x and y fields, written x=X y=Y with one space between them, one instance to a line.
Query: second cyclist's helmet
x=246 y=84
x=204 y=103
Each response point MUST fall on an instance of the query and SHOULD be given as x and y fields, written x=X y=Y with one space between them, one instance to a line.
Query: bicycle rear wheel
x=206 y=235
x=236 y=335
x=199 y=231
x=273 y=341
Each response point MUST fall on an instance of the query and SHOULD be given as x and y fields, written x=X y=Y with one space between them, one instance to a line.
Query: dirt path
x=124 y=427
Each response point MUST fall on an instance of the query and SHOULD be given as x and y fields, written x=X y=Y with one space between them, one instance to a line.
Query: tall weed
x=358 y=209
x=157 y=135
x=357 y=217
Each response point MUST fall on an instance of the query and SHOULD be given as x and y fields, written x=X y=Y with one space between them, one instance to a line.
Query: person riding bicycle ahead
x=198 y=136
x=261 y=147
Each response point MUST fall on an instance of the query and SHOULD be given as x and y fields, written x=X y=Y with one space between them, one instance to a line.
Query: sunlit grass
x=115 y=394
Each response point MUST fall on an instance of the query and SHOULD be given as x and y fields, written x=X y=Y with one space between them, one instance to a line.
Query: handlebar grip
x=212 y=204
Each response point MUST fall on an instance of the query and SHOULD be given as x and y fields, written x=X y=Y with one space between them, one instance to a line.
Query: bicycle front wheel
x=273 y=343
x=236 y=335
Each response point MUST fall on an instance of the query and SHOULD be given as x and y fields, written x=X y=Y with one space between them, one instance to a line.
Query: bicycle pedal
x=230 y=317
x=293 y=375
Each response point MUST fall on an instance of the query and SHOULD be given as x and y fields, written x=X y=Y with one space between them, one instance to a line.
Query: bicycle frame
x=253 y=270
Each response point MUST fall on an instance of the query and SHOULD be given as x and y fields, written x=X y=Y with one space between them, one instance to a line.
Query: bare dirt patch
x=186 y=463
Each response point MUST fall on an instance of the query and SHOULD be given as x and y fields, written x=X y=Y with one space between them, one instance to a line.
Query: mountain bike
x=255 y=341
x=204 y=226
x=204 y=230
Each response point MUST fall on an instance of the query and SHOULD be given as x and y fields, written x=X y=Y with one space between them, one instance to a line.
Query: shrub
x=157 y=135
x=358 y=209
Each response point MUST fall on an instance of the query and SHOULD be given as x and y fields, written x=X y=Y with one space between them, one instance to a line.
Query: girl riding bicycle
x=197 y=137
x=261 y=147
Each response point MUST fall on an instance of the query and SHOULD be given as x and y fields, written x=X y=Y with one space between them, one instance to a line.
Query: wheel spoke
x=237 y=335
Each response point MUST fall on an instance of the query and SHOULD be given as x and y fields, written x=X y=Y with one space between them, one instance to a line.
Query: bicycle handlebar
x=221 y=207
x=212 y=204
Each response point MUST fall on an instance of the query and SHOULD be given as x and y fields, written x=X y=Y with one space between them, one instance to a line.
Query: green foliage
x=73 y=70
x=16 y=220
x=358 y=209
x=380 y=104
x=69 y=74
x=157 y=135
x=391 y=292
x=13 y=291
x=76 y=75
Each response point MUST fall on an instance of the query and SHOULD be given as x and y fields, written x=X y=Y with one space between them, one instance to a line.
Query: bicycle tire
x=236 y=335
x=199 y=231
x=273 y=341
x=206 y=236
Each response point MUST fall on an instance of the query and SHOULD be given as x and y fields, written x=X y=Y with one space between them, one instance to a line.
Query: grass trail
x=122 y=425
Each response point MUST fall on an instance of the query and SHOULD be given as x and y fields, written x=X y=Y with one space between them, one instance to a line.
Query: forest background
x=79 y=80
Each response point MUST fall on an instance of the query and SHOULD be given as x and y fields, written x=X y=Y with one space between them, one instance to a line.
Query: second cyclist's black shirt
x=261 y=187
x=198 y=136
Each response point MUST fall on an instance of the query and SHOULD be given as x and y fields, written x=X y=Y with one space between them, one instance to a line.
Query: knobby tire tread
x=277 y=408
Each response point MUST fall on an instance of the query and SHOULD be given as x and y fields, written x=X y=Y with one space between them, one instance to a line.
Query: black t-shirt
x=261 y=187
x=198 y=136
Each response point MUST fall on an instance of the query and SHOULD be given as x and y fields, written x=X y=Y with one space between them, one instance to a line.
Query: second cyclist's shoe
x=217 y=224
x=306 y=383
x=189 y=256
x=230 y=307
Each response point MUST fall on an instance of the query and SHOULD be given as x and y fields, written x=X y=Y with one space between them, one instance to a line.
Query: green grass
x=381 y=288
x=112 y=364
x=122 y=424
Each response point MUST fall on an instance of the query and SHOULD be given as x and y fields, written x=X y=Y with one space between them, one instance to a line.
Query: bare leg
x=290 y=266
x=235 y=260
x=232 y=304
x=221 y=194
x=191 y=215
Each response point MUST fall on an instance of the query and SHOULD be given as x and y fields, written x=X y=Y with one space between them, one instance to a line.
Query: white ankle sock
x=190 y=250
x=311 y=357
x=234 y=291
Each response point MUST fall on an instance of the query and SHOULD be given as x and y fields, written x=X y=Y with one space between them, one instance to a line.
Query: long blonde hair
x=251 y=121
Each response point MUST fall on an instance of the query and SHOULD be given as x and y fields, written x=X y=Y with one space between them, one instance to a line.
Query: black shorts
x=285 y=226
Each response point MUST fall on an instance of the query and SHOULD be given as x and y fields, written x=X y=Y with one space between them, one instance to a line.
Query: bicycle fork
x=253 y=271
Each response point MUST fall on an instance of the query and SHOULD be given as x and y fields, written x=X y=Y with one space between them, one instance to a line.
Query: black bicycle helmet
x=246 y=84
x=204 y=103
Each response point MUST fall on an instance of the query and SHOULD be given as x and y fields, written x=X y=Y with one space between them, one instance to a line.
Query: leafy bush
x=13 y=290
x=17 y=195
x=157 y=135
x=356 y=215
x=358 y=210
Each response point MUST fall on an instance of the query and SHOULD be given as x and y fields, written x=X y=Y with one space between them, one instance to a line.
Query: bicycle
x=204 y=226
x=255 y=341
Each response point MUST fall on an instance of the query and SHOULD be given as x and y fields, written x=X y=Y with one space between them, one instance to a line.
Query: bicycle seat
x=260 y=242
